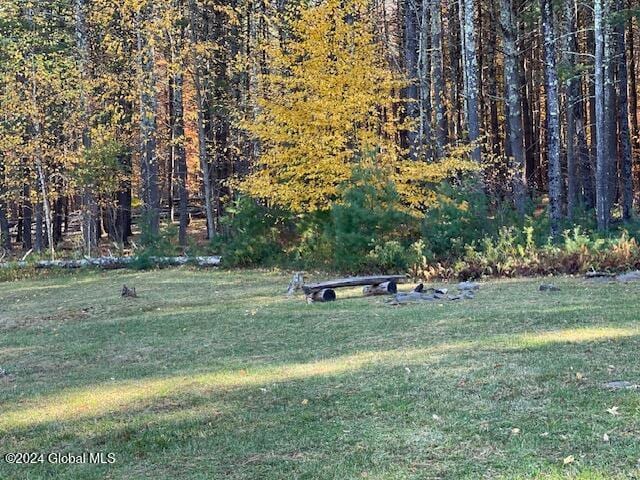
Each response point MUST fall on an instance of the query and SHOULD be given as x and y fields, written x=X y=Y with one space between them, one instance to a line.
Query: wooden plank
x=352 y=282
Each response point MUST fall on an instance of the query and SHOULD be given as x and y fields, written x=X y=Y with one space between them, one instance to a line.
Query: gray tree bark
x=5 y=234
x=437 y=78
x=572 y=96
x=89 y=207
x=553 y=119
x=577 y=104
x=624 y=136
x=200 y=106
x=180 y=155
x=425 y=133
x=602 y=203
x=633 y=92
x=148 y=121
x=467 y=8
x=411 y=46
x=610 y=109
x=513 y=103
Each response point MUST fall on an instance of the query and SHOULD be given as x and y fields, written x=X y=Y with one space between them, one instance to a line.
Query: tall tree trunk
x=89 y=207
x=27 y=217
x=123 y=202
x=491 y=82
x=200 y=106
x=626 y=166
x=38 y=239
x=36 y=139
x=528 y=130
x=572 y=96
x=583 y=151
x=412 y=70
x=123 y=197
x=424 y=76
x=455 y=77
x=438 y=78
x=602 y=165
x=513 y=103
x=5 y=234
x=45 y=204
x=471 y=75
x=610 y=110
x=180 y=156
x=553 y=119
x=148 y=121
x=220 y=114
x=633 y=87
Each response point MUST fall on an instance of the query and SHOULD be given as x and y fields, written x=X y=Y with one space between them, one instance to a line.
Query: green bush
x=313 y=245
x=458 y=216
x=368 y=226
x=252 y=234
x=392 y=256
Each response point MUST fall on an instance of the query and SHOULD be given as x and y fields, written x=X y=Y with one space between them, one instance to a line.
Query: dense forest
x=355 y=134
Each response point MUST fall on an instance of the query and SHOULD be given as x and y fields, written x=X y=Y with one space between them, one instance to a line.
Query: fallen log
x=352 y=282
x=116 y=262
x=594 y=274
x=385 y=288
x=325 y=295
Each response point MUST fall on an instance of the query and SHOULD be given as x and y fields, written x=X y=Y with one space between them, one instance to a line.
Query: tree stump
x=296 y=283
x=129 y=292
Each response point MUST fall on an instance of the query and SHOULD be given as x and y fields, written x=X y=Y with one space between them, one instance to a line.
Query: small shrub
x=392 y=256
x=513 y=254
x=366 y=222
x=252 y=234
x=457 y=218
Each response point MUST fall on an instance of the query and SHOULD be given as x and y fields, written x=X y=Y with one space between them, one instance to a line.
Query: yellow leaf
x=613 y=411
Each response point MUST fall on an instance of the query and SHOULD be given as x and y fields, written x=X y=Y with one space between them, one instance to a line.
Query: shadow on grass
x=389 y=414
x=116 y=396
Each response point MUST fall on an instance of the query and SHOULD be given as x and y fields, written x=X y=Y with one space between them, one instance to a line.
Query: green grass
x=218 y=375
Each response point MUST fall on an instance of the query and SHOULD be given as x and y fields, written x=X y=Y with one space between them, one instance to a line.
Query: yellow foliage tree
x=329 y=104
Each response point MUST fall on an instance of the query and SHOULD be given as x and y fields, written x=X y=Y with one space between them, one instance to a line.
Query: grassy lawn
x=218 y=375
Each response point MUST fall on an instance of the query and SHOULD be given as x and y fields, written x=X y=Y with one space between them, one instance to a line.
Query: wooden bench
x=374 y=285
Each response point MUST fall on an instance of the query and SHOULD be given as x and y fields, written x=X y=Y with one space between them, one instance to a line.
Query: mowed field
x=216 y=374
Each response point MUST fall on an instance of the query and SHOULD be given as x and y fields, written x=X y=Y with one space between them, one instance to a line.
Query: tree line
x=114 y=111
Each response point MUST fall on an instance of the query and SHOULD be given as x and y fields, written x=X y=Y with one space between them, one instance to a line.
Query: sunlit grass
x=100 y=399
x=219 y=375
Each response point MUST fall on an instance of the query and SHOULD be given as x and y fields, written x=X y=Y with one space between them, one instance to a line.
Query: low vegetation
x=218 y=375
